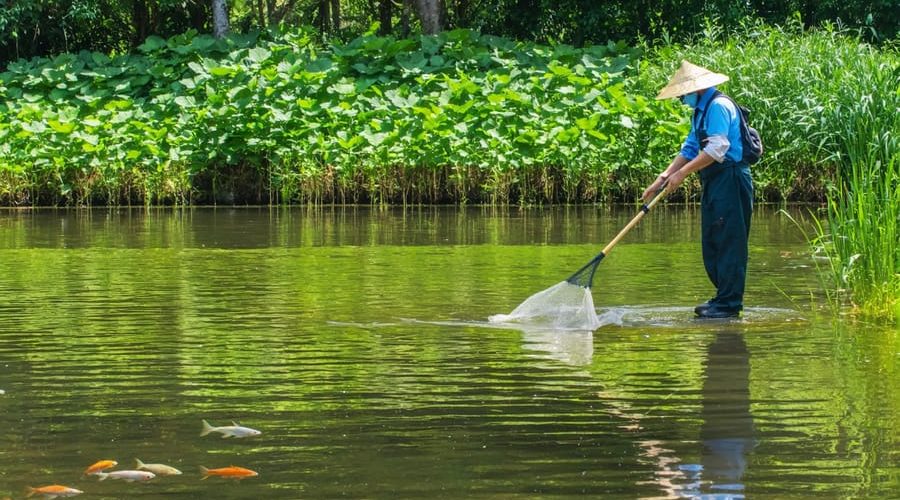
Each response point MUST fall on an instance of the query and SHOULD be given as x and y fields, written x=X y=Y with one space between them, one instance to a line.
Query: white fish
x=227 y=431
x=129 y=476
x=158 y=469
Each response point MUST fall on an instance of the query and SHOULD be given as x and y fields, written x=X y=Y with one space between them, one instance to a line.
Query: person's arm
x=702 y=161
x=679 y=162
x=693 y=159
x=677 y=172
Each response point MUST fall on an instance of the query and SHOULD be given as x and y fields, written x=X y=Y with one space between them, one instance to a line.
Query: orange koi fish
x=228 y=472
x=53 y=491
x=100 y=466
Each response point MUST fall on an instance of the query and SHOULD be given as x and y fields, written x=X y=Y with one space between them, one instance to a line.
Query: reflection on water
x=726 y=432
x=571 y=347
x=120 y=331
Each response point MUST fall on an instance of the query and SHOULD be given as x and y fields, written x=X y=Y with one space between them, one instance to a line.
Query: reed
x=863 y=230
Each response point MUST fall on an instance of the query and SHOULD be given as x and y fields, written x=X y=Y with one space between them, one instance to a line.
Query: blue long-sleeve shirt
x=722 y=119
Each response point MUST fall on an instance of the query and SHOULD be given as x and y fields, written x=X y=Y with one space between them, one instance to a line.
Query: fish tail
x=204 y=471
x=102 y=475
x=31 y=492
x=206 y=428
x=138 y=464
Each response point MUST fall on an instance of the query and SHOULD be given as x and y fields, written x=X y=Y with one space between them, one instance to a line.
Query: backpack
x=751 y=142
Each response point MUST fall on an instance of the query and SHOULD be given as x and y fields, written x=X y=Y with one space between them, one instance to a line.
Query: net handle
x=663 y=190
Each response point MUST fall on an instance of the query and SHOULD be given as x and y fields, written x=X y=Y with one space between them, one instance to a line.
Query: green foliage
x=459 y=117
x=589 y=21
x=862 y=239
x=30 y=28
x=477 y=115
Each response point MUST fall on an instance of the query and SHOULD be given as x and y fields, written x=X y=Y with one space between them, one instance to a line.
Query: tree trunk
x=271 y=18
x=336 y=15
x=404 y=19
x=220 y=18
x=322 y=17
x=385 y=16
x=261 y=14
x=432 y=14
x=462 y=13
x=198 y=12
x=141 y=21
x=278 y=14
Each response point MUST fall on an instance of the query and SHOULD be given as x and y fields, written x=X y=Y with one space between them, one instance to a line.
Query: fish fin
x=102 y=475
x=138 y=464
x=31 y=492
x=235 y=423
x=207 y=428
x=205 y=472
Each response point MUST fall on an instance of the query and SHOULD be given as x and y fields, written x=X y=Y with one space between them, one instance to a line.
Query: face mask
x=690 y=99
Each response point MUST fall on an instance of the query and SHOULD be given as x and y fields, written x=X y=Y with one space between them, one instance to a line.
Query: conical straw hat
x=690 y=78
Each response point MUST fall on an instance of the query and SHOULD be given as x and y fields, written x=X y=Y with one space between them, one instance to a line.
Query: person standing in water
x=714 y=150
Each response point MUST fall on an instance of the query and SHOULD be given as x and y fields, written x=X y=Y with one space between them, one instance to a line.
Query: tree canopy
x=31 y=28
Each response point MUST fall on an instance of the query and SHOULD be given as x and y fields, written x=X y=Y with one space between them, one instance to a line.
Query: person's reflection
x=727 y=428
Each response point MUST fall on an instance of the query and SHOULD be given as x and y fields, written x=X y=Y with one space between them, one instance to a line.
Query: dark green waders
x=726 y=206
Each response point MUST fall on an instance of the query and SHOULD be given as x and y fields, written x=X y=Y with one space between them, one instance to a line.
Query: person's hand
x=676 y=178
x=651 y=191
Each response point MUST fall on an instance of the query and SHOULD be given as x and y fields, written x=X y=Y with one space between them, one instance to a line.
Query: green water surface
x=357 y=341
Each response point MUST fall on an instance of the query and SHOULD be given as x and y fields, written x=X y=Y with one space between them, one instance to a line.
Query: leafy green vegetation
x=456 y=117
x=459 y=117
x=863 y=240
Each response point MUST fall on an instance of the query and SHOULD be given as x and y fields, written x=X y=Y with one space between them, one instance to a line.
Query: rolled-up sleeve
x=717 y=146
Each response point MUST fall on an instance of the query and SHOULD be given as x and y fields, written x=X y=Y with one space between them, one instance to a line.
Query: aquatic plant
x=862 y=235
x=863 y=230
x=454 y=117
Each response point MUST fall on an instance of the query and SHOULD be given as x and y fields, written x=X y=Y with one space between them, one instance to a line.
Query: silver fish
x=227 y=431
x=129 y=476
x=158 y=469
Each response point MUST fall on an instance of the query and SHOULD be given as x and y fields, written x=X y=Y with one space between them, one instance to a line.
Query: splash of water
x=563 y=306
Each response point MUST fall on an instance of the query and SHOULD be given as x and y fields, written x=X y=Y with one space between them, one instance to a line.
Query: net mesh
x=584 y=277
x=562 y=306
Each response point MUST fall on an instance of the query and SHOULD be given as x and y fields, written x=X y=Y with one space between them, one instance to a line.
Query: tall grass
x=860 y=136
x=863 y=231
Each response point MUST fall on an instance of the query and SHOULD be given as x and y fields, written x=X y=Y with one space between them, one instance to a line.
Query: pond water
x=356 y=340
